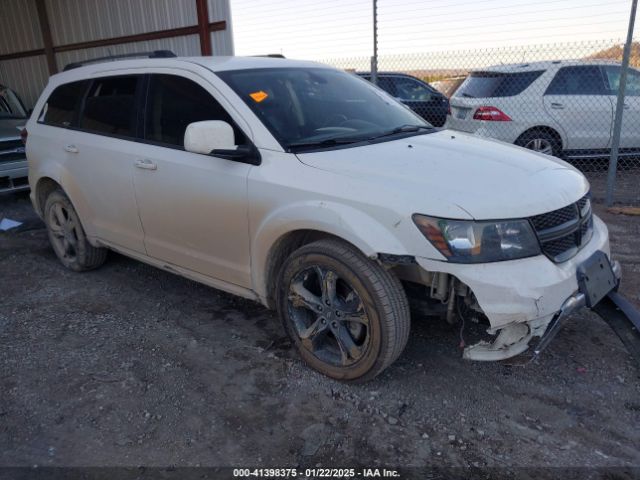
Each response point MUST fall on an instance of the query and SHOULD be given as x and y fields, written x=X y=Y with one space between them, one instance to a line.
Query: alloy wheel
x=541 y=145
x=328 y=316
x=63 y=226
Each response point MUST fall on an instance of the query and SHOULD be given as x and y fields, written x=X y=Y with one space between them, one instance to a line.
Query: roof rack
x=153 y=54
x=271 y=55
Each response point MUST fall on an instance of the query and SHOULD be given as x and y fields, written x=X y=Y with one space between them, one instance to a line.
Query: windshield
x=10 y=105
x=321 y=107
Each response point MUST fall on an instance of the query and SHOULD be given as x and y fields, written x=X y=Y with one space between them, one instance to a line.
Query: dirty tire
x=540 y=141
x=347 y=316
x=67 y=236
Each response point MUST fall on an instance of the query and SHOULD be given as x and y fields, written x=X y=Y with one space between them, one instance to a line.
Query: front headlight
x=464 y=241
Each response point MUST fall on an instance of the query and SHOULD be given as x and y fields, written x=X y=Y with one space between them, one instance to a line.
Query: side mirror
x=216 y=138
x=204 y=137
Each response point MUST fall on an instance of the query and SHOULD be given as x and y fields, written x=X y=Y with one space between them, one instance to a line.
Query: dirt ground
x=130 y=365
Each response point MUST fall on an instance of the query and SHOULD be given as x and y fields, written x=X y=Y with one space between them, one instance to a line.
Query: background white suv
x=558 y=108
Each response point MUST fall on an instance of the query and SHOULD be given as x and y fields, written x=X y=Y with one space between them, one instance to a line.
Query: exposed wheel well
x=44 y=187
x=551 y=131
x=284 y=247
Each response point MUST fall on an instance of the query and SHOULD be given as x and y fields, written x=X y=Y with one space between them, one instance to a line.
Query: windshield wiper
x=329 y=142
x=402 y=129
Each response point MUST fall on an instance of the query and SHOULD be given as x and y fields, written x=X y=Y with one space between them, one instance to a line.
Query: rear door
x=630 y=131
x=193 y=206
x=577 y=100
x=100 y=156
x=91 y=130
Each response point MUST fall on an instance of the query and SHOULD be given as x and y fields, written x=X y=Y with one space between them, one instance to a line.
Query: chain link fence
x=558 y=99
x=476 y=69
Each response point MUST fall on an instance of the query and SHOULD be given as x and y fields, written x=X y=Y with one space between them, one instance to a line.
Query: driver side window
x=173 y=103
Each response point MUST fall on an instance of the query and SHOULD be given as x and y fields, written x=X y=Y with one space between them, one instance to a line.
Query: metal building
x=39 y=37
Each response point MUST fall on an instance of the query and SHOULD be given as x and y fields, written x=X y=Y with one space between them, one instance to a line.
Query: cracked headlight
x=464 y=241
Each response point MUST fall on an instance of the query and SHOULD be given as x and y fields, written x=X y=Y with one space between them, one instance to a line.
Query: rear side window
x=173 y=103
x=496 y=84
x=62 y=106
x=578 y=80
x=110 y=106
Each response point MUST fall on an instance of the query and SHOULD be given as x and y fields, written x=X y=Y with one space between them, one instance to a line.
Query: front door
x=577 y=100
x=630 y=130
x=193 y=207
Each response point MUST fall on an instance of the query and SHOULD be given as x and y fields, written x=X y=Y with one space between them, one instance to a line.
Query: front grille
x=563 y=232
x=12 y=150
x=555 y=218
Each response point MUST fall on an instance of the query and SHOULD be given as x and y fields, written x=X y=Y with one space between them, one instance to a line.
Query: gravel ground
x=131 y=365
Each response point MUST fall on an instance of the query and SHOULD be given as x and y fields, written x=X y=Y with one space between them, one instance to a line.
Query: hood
x=486 y=178
x=9 y=128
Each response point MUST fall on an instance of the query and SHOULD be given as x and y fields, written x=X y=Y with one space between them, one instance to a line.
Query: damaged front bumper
x=515 y=339
x=525 y=298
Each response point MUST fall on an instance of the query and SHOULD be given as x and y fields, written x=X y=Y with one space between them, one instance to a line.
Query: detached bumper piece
x=598 y=280
x=623 y=319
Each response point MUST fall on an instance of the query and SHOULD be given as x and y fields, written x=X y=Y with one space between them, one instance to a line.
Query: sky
x=342 y=29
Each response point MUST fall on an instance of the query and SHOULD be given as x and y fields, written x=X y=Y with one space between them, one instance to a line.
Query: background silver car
x=13 y=162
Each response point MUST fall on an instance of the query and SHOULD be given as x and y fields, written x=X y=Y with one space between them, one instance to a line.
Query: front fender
x=343 y=221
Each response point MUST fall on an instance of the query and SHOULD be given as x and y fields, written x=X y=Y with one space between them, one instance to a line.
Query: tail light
x=23 y=135
x=448 y=109
x=491 y=114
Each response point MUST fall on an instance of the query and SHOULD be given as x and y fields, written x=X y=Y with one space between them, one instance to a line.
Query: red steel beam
x=203 y=27
x=140 y=37
x=45 y=29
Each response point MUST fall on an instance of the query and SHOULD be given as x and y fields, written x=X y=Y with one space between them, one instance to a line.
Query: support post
x=617 y=122
x=45 y=29
x=203 y=27
x=374 y=59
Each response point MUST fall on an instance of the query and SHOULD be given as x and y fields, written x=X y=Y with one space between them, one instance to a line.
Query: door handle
x=71 y=148
x=145 y=164
x=557 y=106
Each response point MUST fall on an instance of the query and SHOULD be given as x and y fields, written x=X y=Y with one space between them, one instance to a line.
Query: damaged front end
x=445 y=295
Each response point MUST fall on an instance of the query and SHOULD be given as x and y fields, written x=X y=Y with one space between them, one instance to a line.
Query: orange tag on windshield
x=259 y=96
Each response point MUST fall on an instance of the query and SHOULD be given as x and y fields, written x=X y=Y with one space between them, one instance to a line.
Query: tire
x=67 y=236
x=347 y=316
x=540 y=141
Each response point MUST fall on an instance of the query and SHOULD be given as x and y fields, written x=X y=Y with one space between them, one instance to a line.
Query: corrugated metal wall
x=20 y=31
x=74 y=21
x=222 y=41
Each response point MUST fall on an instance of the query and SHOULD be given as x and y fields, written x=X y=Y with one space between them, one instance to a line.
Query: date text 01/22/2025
x=312 y=473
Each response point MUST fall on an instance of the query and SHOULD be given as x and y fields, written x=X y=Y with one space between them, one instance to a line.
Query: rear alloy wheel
x=67 y=236
x=539 y=141
x=347 y=316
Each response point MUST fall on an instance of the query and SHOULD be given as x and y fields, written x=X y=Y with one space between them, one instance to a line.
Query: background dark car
x=419 y=96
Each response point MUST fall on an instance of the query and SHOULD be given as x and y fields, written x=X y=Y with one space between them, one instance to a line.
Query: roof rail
x=153 y=54
x=271 y=55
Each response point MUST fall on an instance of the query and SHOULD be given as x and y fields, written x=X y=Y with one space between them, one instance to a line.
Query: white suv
x=561 y=108
x=314 y=192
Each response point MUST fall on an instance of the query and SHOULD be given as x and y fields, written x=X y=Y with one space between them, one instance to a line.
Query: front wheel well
x=542 y=128
x=280 y=251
